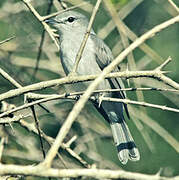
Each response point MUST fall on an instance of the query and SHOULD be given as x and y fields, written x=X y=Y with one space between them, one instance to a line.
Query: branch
x=59 y=12
x=174 y=5
x=41 y=44
x=7 y=120
x=82 y=46
x=74 y=79
x=164 y=64
x=128 y=101
x=9 y=78
x=75 y=173
x=6 y=40
x=109 y=27
x=80 y=104
x=40 y=19
x=41 y=98
x=50 y=140
x=2 y=147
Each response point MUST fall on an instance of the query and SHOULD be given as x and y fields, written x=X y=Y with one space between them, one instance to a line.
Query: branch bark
x=74 y=79
x=93 y=173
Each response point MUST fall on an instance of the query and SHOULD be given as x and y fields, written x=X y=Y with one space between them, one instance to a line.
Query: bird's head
x=69 y=21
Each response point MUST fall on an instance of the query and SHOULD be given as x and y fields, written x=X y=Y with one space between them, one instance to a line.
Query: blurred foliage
x=94 y=141
x=120 y=2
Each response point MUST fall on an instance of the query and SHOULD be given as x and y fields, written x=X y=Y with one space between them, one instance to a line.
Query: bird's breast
x=87 y=64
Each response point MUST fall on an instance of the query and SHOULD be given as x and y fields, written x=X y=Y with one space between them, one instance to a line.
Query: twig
x=38 y=129
x=163 y=64
x=129 y=33
x=71 y=141
x=41 y=44
x=38 y=86
x=9 y=78
x=128 y=101
x=82 y=46
x=43 y=18
x=6 y=40
x=80 y=104
x=74 y=79
x=41 y=98
x=75 y=173
x=174 y=5
x=62 y=4
x=31 y=127
x=1 y=147
x=15 y=83
x=40 y=18
x=27 y=105
x=66 y=95
x=7 y=120
x=50 y=140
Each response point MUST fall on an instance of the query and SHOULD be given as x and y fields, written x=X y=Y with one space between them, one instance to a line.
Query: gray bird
x=96 y=56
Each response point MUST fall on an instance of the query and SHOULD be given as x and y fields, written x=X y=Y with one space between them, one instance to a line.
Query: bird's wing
x=103 y=53
x=103 y=58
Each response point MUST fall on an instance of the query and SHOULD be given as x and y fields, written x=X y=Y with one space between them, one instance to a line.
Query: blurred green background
x=154 y=131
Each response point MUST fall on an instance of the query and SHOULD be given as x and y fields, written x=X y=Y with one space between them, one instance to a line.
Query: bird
x=71 y=27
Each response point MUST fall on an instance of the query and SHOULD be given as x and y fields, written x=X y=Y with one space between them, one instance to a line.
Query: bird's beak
x=51 y=21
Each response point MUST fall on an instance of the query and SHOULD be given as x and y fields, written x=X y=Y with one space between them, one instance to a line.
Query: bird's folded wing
x=103 y=58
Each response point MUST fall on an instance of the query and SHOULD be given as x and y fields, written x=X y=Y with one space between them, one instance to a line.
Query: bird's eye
x=70 y=19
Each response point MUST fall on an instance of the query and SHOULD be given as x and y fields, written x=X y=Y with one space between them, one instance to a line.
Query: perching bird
x=72 y=27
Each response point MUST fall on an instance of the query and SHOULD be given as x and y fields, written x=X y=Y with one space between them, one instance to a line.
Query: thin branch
x=66 y=95
x=6 y=40
x=82 y=46
x=71 y=141
x=27 y=105
x=9 y=78
x=80 y=104
x=164 y=64
x=41 y=44
x=128 y=101
x=38 y=129
x=74 y=79
x=62 y=4
x=41 y=98
x=2 y=147
x=50 y=140
x=15 y=83
x=174 y=5
x=129 y=33
x=43 y=18
x=75 y=173
x=40 y=18
x=7 y=120
x=31 y=128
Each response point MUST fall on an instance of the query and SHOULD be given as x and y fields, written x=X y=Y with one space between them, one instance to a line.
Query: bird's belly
x=86 y=66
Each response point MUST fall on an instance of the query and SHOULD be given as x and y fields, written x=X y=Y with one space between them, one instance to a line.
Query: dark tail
x=123 y=140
